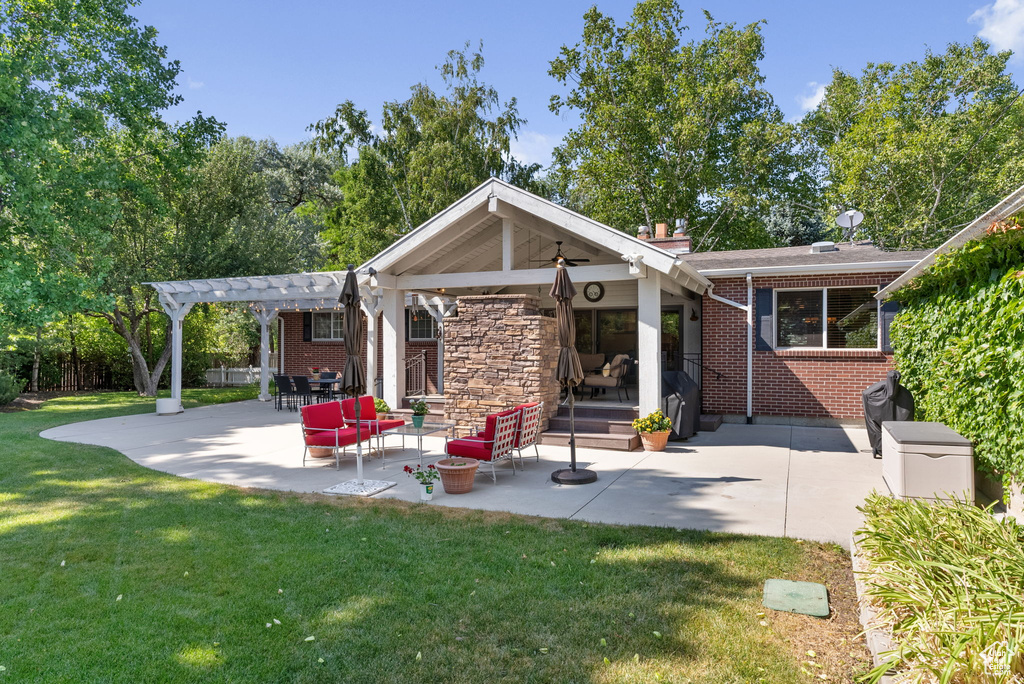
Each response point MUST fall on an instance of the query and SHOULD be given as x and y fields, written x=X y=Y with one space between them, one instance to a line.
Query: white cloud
x=809 y=102
x=532 y=147
x=1002 y=24
x=194 y=85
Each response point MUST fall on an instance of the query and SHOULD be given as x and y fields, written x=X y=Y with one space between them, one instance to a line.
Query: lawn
x=112 y=572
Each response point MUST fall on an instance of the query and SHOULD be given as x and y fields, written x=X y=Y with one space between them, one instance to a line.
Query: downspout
x=749 y=309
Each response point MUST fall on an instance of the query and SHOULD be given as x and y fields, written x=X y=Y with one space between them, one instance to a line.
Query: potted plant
x=419 y=411
x=381 y=406
x=457 y=474
x=426 y=477
x=654 y=430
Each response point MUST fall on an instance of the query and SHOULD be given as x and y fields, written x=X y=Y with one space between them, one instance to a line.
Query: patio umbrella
x=569 y=371
x=353 y=382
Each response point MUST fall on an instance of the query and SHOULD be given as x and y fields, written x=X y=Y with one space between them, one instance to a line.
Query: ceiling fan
x=559 y=255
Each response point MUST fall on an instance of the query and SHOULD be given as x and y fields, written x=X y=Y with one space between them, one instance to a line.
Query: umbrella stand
x=355 y=385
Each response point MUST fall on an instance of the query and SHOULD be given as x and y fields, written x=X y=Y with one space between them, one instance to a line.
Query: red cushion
x=327 y=415
x=470 y=447
x=391 y=423
x=522 y=406
x=326 y=438
x=488 y=433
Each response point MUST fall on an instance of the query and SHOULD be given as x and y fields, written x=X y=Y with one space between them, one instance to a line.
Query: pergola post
x=393 y=304
x=440 y=309
x=176 y=311
x=648 y=316
x=264 y=316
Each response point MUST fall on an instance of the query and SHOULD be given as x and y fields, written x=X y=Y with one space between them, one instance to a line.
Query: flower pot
x=654 y=441
x=321 y=452
x=417 y=421
x=426 y=491
x=457 y=474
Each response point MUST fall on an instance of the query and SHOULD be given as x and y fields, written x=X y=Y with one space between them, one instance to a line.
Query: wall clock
x=593 y=292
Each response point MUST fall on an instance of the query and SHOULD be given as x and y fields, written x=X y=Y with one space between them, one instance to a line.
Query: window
x=328 y=326
x=420 y=325
x=828 y=318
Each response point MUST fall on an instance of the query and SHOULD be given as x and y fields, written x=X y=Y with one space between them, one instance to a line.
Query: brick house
x=460 y=307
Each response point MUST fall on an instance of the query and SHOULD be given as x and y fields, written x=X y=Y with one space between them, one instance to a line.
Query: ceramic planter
x=457 y=474
x=321 y=452
x=654 y=441
x=426 y=491
x=417 y=421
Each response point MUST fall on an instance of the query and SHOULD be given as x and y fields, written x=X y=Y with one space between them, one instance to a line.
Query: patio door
x=672 y=339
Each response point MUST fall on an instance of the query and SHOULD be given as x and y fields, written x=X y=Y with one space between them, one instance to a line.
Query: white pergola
x=484 y=243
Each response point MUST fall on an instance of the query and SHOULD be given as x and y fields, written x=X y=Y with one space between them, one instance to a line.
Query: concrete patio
x=801 y=482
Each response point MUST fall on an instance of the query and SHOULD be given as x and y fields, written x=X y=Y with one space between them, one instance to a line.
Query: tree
x=790 y=227
x=672 y=129
x=75 y=75
x=922 y=148
x=431 y=149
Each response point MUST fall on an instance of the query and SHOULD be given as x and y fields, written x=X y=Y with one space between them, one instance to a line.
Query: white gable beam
x=495 y=279
x=530 y=222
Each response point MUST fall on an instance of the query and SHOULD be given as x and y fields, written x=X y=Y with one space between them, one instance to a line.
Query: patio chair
x=616 y=378
x=528 y=433
x=323 y=426
x=326 y=392
x=303 y=391
x=284 y=392
x=495 y=443
x=369 y=420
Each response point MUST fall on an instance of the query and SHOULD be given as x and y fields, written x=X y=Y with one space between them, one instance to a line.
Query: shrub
x=381 y=406
x=947 y=581
x=959 y=344
x=10 y=387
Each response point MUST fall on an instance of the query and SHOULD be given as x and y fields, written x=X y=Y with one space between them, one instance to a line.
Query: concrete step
x=596 y=425
x=435 y=401
x=709 y=423
x=601 y=412
x=592 y=440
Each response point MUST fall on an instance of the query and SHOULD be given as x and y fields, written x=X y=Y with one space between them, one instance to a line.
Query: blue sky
x=269 y=69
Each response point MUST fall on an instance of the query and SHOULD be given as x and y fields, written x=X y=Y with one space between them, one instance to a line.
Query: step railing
x=416 y=374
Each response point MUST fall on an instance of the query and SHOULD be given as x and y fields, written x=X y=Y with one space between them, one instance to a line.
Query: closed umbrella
x=353 y=383
x=569 y=371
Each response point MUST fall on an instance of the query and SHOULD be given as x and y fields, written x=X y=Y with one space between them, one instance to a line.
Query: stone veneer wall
x=499 y=352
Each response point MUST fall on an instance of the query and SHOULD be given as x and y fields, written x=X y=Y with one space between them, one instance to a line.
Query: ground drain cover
x=806 y=598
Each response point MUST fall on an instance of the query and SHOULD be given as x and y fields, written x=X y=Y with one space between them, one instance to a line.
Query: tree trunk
x=37 y=354
x=129 y=326
x=76 y=369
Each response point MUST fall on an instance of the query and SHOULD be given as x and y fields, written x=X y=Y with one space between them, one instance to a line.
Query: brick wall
x=810 y=384
x=300 y=356
x=499 y=352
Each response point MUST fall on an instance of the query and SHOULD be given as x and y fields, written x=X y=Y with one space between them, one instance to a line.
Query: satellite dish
x=850 y=219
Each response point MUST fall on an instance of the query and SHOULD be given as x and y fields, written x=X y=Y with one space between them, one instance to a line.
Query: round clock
x=593 y=292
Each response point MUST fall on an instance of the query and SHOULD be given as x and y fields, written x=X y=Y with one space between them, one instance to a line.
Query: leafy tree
x=76 y=77
x=922 y=148
x=789 y=227
x=674 y=129
x=431 y=149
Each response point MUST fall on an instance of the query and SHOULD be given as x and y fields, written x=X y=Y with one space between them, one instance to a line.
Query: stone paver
x=753 y=479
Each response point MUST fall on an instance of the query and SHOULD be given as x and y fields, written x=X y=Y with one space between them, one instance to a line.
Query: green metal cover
x=806 y=598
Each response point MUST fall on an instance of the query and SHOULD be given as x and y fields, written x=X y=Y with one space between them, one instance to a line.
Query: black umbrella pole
x=572 y=430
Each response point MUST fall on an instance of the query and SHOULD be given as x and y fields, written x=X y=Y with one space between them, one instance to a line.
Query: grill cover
x=680 y=402
x=883 y=401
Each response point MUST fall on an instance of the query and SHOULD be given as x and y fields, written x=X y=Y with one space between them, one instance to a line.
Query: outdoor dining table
x=419 y=432
x=328 y=382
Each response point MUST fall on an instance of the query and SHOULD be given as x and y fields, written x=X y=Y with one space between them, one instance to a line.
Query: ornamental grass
x=948 y=582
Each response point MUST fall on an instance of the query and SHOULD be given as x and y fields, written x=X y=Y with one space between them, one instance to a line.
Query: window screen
x=422 y=326
x=327 y=326
x=852 y=318
x=799 y=318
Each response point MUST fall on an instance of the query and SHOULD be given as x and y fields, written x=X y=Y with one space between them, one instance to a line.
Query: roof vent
x=819 y=247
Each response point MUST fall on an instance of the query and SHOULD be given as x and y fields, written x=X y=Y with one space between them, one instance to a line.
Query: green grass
x=392 y=592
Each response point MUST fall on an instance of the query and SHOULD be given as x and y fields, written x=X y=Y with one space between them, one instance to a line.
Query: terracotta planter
x=457 y=474
x=321 y=452
x=654 y=441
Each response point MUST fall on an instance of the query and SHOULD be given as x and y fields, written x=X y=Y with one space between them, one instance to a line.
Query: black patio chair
x=285 y=392
x=303 y=392
x=326 y=392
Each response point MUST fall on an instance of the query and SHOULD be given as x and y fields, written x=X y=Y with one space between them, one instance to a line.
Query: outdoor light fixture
x=693 y=315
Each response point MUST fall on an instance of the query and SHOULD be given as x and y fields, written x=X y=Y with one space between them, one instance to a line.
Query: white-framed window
x=827 y=318
x=327 y=326
x=420 y=325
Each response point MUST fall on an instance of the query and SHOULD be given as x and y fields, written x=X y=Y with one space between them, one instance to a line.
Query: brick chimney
x=660 y=231
x=679 y=242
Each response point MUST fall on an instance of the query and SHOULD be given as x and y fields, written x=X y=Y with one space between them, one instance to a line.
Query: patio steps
x=597 y=427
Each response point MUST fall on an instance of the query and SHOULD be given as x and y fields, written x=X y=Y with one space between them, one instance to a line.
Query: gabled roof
x=1010 y=205
x=588 y=230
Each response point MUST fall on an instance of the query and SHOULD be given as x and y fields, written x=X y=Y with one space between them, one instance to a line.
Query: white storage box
x=926 y=461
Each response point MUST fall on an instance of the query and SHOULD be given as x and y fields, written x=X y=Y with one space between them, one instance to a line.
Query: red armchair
x=495 y=443
x=324 y=426
x=369 y=420
x=529 y=428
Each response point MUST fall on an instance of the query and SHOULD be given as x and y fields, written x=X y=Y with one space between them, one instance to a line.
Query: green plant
x=381 y=406
x=959 y=344
x=420 y=408
x=423 y=475
x=655 y=422
x=10 y=387
x=947 y=581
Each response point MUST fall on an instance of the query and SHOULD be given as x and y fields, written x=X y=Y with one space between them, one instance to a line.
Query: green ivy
x=959 y=345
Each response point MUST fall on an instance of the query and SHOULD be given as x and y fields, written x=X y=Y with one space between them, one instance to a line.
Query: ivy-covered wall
x=959 y=344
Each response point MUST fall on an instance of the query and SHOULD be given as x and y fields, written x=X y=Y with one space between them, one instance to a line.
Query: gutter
x=749 y=308
x=1009 y=206
x=810 y=268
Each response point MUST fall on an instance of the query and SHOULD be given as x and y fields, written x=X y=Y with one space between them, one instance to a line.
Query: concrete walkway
x=777 y=480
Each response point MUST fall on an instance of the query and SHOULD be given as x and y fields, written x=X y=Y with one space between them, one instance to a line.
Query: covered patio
x=779 y=480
